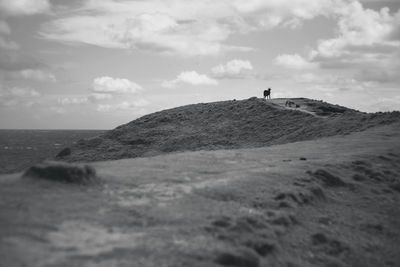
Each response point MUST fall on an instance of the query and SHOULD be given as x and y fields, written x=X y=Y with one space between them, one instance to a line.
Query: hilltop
x=231 y=124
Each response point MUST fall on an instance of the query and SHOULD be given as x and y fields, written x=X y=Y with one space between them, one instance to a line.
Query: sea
x=20 y=149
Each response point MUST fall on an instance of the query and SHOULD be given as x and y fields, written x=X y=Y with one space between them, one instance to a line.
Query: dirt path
x=302 y=107
x=328 y=202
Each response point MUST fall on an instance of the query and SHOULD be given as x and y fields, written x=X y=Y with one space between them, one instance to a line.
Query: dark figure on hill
x=289 y=103
x=267 y=93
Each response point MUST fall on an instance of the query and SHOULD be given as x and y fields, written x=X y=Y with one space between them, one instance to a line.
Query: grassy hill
x=319 y=203
x=224 y=125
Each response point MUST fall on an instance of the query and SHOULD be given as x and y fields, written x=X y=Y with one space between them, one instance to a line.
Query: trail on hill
x=302 y=105
x=224 y=125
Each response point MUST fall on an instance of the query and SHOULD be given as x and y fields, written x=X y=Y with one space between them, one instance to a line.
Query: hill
x=318 y=203
x=224 y=125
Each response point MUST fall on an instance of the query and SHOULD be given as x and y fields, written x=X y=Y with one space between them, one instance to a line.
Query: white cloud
x=366 y=43
x=293 y=23
x=73 y=100
x=103 y=108
x=386 y=104
x=366 y=39
x=149 y=31
x=141 y=103
x=110 y=85
x=124 y=106
x=38 y=75
x=23 y=7
x=18 y=92
x=17 y=96
x=361 y=28
x=99 y=96
x=233 y=69
x=330 y=82
x=190 y=77
x=298 y=8
x=294 y=62
x=183 y=27
x=136 y=105
x=107 y=88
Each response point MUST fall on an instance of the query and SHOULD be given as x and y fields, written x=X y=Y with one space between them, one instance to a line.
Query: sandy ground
x=327 y=202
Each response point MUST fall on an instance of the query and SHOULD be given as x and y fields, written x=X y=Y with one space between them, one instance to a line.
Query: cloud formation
x=23 y=7
x=366 y=40
x=183 y=27
x=4 y=32
x=360 y=30
x=294 y=61
x=99 y=96
x=18 y=92
x=234 y=69
x=152 y=30
x=17 y=96
x=73 y=100
x=386 y=104
x=12 y=61
x=37 y=74
x=137 y=105
x=357 y=53
x=109 y=85
x=190 y=77
x=103 y=92
x=365 y=50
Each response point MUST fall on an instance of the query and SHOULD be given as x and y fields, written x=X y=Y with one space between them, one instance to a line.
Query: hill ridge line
x=228 y=124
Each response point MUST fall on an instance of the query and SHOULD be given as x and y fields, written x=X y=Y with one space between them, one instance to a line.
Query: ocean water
x=20 y=149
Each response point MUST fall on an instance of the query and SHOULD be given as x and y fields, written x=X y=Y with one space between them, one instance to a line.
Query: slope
x=223 y=125
x=338 y=206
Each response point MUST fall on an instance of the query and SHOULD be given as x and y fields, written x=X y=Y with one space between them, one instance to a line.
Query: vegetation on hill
x=224 y=125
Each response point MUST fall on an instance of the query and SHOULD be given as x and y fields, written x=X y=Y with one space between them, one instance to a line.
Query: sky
x=96 y=64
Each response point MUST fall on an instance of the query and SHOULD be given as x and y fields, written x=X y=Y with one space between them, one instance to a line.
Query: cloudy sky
x=95 y=64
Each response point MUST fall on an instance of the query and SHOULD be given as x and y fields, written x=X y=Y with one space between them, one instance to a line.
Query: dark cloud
x=14 y=61
x=379 y=75
x=359 y=57
x=395 y=35
x=393 y=5
x=377 y=49
x=24 y=8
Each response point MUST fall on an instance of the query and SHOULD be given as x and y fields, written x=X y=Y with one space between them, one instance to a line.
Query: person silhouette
x=267 y=93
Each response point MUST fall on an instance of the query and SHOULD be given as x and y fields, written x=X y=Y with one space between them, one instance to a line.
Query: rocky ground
x=331 y=201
